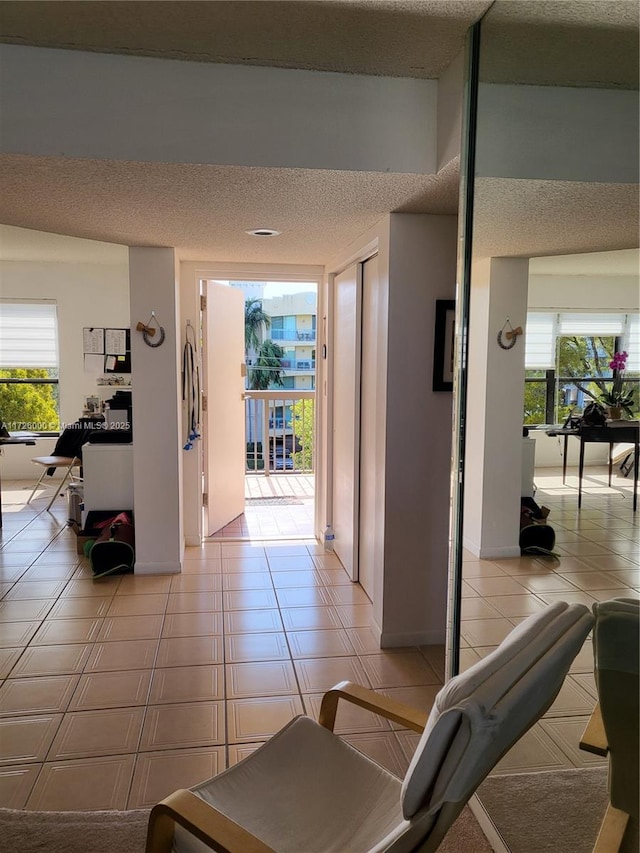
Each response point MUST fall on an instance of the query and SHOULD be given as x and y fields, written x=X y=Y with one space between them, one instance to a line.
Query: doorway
x=277 y=334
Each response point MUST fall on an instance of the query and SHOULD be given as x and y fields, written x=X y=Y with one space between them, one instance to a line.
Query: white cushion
x=306 y=791
x=479 y=715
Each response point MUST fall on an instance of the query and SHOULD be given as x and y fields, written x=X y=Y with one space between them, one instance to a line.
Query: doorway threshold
x=278 y=507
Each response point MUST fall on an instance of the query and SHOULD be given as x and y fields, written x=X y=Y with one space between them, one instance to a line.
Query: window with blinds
x=567 y=356
x=543 y=327
x=29 y=398
x=632 y=342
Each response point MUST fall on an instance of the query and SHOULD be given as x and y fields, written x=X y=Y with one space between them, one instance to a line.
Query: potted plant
x=618 y=399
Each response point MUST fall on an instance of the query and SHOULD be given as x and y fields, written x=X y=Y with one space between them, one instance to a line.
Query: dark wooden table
x=610 y=435
x=566 y=433
x=11 y=440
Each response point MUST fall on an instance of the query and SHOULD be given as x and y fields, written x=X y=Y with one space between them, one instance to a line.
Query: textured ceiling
x=562 y=43
x=204 y=210
x=402 y=38
x=525 y=218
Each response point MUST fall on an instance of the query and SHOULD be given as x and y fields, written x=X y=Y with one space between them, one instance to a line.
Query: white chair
x=307 y=791
x=67 y=454
x=53 y=462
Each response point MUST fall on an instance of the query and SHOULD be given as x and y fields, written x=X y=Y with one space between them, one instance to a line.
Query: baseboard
x=157 y=568
x=389 y=640
x=499 y=553
x=193 y=541
x=487 y=826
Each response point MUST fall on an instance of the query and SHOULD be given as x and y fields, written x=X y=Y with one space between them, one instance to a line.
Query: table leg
x=564 y=460
x=610 y=462
x=636 y=462
x=580 y=469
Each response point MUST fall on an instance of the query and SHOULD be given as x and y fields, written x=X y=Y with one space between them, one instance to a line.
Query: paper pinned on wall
x=93 y=363
x=93 y=340
x=115 y=341
x=110 y=362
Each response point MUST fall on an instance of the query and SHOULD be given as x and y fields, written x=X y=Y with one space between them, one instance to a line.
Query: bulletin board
x=106 y=350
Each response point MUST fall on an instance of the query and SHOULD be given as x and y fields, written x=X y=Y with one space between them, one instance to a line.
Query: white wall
x=493 y=453
x=417 y=258
x=86 y=295
x=584 y=292
x=450 y=89
x=422 y=268
x=106 y=106
x=551 y=132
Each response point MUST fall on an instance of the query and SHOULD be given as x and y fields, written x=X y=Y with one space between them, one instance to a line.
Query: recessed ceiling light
x=263 y=232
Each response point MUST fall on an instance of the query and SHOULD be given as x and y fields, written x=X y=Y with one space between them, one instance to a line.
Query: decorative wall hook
x=511 y=334
x=148 y=331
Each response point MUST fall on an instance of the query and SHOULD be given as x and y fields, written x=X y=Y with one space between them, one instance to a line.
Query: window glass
x=29 y=394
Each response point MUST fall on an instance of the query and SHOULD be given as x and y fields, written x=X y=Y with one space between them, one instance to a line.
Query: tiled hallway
x=119 y=691
x=598 y=558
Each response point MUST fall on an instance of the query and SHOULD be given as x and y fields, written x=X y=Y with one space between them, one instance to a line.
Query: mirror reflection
x=555 y=253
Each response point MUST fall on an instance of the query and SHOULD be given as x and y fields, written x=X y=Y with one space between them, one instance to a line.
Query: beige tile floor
x=598 y=558
x=276 y=507
x=116 y=692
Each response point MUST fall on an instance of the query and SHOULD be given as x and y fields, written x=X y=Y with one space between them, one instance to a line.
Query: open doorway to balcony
x=280 y=343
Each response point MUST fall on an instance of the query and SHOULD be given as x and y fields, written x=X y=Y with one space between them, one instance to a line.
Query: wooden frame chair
x=308 y=790
x=613 y=729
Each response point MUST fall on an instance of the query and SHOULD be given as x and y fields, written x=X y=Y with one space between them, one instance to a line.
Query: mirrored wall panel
x=551 y=293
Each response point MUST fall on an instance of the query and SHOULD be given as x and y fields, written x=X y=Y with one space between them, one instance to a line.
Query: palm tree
x=256 y=321
x=268 y=369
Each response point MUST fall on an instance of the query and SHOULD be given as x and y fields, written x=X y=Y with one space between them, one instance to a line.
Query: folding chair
x=67 y=454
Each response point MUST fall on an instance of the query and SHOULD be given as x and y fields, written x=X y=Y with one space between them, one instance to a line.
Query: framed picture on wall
x=443 y=347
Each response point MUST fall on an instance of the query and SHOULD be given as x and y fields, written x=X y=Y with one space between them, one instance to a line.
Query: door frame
x=191 y=274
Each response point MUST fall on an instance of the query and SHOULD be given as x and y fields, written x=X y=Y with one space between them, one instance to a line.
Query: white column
x=493 y=457
x=157 y=473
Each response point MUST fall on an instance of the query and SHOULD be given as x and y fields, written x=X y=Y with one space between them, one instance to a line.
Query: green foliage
x=29 y=407
x=256 y=321
x=302 y=420
x=534 y=403
x=267 y=371
x=577 y=357
x=580 y=356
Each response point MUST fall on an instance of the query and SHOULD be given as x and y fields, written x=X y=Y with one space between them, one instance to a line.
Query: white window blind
x=632 y=342
x=540 y=341
x=28 y=335
x=602 y=325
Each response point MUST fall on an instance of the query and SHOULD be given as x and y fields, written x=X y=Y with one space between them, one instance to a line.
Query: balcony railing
x=306 y=335
x=279 y=439
x=306 y=364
